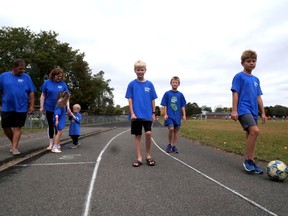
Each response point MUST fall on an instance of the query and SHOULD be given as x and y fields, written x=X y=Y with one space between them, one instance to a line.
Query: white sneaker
x=55 y=150
x=14 y=152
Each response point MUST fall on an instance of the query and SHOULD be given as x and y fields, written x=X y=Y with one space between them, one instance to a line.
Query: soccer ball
x=277 y=170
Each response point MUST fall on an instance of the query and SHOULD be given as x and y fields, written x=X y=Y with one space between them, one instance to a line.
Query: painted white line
x=218 y=183
x=91 y=187
x=53 y=164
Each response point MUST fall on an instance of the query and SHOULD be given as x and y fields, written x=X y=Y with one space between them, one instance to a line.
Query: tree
x=192 y=109
x=43 y=52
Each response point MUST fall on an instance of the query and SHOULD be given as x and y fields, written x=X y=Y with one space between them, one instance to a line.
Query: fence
x=36 y=120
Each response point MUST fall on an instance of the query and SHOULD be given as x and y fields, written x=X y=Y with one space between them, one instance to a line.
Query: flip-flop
x=150 y=162
x=137 y=163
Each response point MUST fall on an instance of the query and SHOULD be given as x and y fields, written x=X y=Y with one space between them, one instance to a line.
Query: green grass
x=229 y=136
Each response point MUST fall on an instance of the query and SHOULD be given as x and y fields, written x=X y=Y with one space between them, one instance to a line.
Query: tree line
x=42 y=52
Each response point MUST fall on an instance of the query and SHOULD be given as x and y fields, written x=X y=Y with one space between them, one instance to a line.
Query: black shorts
x=136 y=126
x=247 y=121
x=13 y=119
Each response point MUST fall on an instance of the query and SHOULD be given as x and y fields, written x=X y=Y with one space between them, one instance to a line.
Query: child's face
x=249 y=64
x=75 y=109
x=174 y=84
x=140 y=71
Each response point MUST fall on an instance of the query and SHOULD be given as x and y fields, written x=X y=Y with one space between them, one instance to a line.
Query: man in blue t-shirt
x=174 y=104
x=17 y=91
x=141 y=97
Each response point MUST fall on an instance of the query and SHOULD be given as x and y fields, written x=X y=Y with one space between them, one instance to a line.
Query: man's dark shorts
x=136 y=126
x=247 y=121
x=13 y=119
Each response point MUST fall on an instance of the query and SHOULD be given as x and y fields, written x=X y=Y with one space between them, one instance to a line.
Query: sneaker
x=14 y=152
x=58 y=147
x=55 y=150
x=174 y=149
x=257 y=170
x=75 y=146
x=249 y=166
x=169 y=148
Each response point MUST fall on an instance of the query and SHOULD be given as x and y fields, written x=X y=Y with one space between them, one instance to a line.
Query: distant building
x=218 y=115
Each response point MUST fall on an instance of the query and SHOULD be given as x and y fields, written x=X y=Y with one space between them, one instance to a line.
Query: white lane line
x=53 y=164
x=218 y=183
x=91 y=187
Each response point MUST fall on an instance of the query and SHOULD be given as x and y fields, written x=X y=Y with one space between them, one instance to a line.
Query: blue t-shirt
x=248 y=89
x=142 y=94
x=51 y=90
x=74 y=128
x=61 y=112
x=15 y=90
x=174 y=101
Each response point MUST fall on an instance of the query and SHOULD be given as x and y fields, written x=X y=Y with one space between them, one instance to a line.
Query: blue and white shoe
x=257 y=170
x=249 y=165
x=169 y=148
x=174 y=149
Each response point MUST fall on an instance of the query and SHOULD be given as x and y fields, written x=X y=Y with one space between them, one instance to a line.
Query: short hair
x=64 y=96
x=56 y=71
x=139 y=64
x=175 y=78
x=248 y=54
x=17 y=62
x=77 y=106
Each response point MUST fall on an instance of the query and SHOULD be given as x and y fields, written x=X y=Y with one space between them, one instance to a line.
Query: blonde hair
x=248 y=54
x=139 y=64
x=77 y=106
x=175 y=78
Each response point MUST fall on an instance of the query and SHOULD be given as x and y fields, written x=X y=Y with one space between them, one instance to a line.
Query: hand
x=264 y=118
x=166 y=117
x=234 y=115
x=133 y=116
x=31 y=110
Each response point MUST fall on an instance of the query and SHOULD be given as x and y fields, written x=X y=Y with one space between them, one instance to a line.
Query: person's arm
x=153 y=111
x=42 y=99
x=130 y=102
x=234 y=113
x=165 y=113
x=262 y=110
x=32 y=101
x=184 y=114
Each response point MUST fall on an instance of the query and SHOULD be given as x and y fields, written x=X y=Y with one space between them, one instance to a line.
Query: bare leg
x=251 y=141
x=57 y=137
x=138 y=147
x=13 y=135
x=175 y=137
x=170 y=135
x=148 y=144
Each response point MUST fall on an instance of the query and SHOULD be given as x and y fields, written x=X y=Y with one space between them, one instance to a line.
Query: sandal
x=150 y=162
x=137 y=163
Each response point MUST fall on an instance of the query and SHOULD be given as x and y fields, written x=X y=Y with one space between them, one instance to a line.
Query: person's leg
x=9 y=133
x=56 y=145
x=170 y=137
x=138 y=147
x=252 y=134
x=148 y=144
x=175 y=137
x=51 y=128
x=16 y=137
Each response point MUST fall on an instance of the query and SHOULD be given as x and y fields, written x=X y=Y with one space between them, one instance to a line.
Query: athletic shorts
x=136 y=126
x=247 y=121
x=176 y=127
x=13 y=119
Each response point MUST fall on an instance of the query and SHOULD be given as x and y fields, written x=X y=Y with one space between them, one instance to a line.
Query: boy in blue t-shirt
x=246 y=98
x=141 y=97
x=74 y=129
x=174 y=105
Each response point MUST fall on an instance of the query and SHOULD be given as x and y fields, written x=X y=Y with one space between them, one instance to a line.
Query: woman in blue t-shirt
x=48 y=100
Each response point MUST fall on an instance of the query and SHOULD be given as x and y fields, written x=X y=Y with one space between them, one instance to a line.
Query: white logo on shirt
x=147 y=89
x=255 y=84
x=60 y=87
x=20 y=80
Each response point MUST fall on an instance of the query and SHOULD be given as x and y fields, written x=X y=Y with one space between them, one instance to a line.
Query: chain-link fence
x=38 y=120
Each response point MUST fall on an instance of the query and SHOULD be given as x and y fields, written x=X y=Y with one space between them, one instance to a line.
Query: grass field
x=228 y=135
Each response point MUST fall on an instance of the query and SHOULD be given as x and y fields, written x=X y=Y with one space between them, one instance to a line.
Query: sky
x=199 y=41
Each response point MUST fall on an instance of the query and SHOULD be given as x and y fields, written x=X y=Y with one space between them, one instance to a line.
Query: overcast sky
x=199 y=41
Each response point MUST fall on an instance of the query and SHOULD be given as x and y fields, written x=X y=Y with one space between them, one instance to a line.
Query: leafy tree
x=192 y=109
